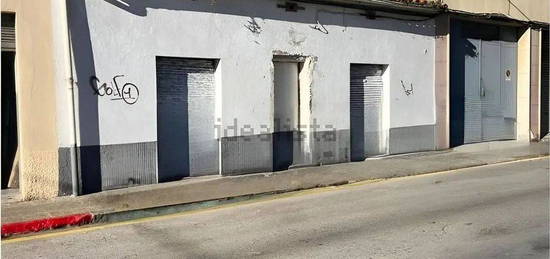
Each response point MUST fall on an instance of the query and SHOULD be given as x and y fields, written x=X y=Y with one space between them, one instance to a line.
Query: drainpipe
x=72 y=107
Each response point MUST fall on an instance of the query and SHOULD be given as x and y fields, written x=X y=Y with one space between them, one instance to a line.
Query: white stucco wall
x=126 y=39
x=62 y=75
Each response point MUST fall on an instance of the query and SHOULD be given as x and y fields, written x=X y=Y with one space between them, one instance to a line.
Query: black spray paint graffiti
x=407 y=91
x=253 y=26
x=319 y=27
x=129 y=93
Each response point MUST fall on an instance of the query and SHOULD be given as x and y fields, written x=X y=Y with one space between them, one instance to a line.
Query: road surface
x=498 y=211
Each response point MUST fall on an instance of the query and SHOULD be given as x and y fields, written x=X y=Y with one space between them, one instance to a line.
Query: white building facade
x=169 y=89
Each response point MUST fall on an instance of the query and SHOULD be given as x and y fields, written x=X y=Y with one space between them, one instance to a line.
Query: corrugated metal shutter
x=186 y=100
x=366 y=102
x=8 y=32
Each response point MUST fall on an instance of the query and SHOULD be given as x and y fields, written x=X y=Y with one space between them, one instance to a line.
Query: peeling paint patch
x=280 y=52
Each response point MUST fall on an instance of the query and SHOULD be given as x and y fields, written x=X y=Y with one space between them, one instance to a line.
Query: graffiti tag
x=319 y=27
x=408 y=91
x=129 y=93
x=253 y=26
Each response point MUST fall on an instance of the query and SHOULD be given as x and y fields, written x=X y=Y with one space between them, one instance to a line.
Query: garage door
x=483 y=83
x=366 y=102
x=185 y=118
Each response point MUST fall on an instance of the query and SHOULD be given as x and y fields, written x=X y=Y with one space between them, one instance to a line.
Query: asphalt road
x=499 y=211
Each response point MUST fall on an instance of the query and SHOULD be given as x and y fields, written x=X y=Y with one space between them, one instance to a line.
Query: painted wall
x=523 y=91
x=442 y=84
x=36 y=98
x=124 y=39
x=526 y=10
x=534 y=87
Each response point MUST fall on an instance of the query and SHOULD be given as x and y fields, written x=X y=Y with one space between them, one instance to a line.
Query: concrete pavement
x=495 y=211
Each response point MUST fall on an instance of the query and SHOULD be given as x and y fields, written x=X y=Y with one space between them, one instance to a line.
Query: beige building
x=524 y=10
x=36 y=49
x=38 y=66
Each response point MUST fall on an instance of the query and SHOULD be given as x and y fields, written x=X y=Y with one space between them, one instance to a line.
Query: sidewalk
x=27 y=216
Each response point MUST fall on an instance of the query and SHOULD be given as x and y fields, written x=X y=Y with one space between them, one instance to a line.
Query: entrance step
x=491 y=145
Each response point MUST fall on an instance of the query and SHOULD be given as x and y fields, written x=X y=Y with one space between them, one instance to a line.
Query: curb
x=45 y=224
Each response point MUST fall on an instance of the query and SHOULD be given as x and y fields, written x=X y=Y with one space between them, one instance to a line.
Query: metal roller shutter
x=8 y=32
x=366 y=100
x=185 y=108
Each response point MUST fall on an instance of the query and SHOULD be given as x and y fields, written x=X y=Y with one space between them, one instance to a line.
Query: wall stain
x=296 y=38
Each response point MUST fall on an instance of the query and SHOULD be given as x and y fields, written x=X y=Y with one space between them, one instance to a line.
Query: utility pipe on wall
x=72 y=106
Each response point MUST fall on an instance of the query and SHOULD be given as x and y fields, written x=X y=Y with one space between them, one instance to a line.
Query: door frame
x=299 y=61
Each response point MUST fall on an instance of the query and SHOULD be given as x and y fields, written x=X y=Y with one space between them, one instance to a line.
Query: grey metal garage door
x=490 y=92
x=483 y=82
x=490 y=76
x=185 y=118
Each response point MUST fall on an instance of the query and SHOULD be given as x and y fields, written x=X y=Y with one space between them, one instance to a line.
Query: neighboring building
x=122 y=93
x=532 y=12
x=36 y=61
